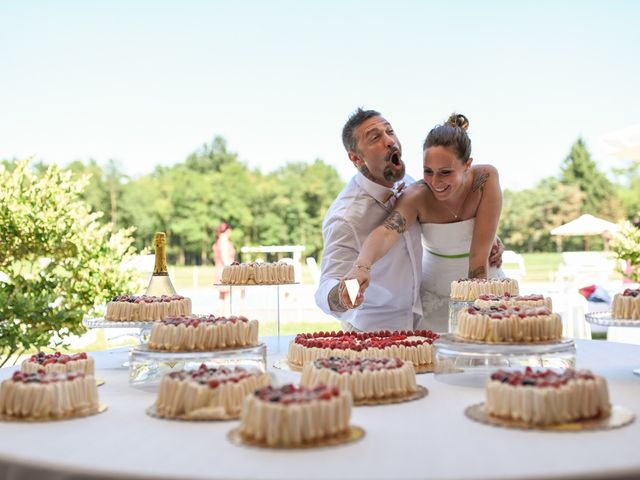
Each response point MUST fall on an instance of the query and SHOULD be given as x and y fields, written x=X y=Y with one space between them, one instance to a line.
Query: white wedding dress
x=445 y=258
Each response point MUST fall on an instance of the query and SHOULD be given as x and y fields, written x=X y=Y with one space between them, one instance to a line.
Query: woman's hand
x=497 y=249
x=361 y=273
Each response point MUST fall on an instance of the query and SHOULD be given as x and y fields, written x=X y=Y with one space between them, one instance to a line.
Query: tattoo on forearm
x=335 y=305
x=479 y=181
x=396 y=222
x=479 y=272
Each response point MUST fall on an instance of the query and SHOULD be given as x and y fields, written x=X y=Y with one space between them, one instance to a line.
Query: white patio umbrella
x=585 y=225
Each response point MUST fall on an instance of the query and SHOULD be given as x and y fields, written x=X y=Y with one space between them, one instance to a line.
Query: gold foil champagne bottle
x=160 y=283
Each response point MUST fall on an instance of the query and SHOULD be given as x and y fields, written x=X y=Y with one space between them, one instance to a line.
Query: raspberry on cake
x=290 y=416
x=522 y=301
x=258 y=273
x=413 y=346
x=626 y=305
x=366 y=379
x=46 y=396
x=133 y=308
x=207 y=393
x=503 y=324
x=546 y=397
x=202 y=333
x=59 y=362
x=471 y=289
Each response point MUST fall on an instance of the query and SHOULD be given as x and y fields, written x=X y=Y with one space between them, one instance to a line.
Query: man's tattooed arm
x=335 y=304
x=396 y=222
x=479 y=181
x=479 y=272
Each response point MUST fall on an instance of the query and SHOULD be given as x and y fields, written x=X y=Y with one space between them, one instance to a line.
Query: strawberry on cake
x=202 y=333
x=522 y=301
x=133 y=308
x=59 y=362
x=368 y=379
x=291 y=416
x=413 y=346
x=258 y=273
x=546 y=397
x=207 y=393
x=626 y=305
x=503 y=324
x=47 y=396
x=471 y=289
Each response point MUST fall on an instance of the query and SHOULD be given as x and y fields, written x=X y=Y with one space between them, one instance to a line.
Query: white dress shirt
x=392 y=301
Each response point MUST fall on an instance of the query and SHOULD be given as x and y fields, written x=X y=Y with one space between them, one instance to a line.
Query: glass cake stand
x=100 y=322
x=146 y=366
x=455 y=306
x=604 y=319
x=468 y=363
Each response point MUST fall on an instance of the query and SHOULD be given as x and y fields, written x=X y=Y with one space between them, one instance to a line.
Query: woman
x=224 y=254
x=458 y=206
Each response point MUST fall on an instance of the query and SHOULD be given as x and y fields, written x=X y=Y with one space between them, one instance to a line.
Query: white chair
x=513 y=265
x=312 y=265
x=585 y=268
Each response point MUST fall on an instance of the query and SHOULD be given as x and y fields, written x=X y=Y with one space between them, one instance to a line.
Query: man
x=393 y=298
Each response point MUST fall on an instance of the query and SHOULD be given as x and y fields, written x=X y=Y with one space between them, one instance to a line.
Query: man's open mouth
x=395 y=158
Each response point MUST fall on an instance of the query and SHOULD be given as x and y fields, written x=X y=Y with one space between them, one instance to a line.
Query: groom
x=393 y=297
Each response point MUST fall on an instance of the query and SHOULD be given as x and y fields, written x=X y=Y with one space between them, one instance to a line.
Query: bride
x=458 y=206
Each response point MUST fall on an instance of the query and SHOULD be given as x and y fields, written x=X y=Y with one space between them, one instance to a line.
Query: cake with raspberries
x=626 y=305
x=258 y=273
x=368 y=379
x=546 y=397
x=503 y=324
x=470 y=289
x=292 y=416
x=412 y=346
x=522 y=301
x=207 y=393
x=202 y=333
x=59 y=362
x=139 y=308
x=48 y=396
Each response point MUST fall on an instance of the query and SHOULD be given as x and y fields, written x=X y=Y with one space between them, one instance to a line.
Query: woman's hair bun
x=458 y=120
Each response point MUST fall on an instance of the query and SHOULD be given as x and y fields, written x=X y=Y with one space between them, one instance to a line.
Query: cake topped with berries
x=471 y=288
x=502 y=324
x=202 y=333
x=259 y=273
x=137 y=308
x=368 y=379
x=290 y=416
x=626 y=305
x=59 y=362
x=42 y=396
x=207 y=393
x=414 y=346
x=526 y=301
x=544 y=397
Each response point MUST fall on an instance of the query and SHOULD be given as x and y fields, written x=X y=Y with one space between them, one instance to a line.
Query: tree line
x=190 y=199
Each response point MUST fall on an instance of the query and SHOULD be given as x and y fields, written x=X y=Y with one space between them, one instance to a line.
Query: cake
x=291 y=416
x=626 y=305
x=202 y=333
x=132 y=308
x=46 y=396
x=471 y=289
x=413 y=346
x=546 y=397
x=257 y=273
x=367 y=379
x=207 y=393
x=522 y=301
x=509 y=324
x=59 y=362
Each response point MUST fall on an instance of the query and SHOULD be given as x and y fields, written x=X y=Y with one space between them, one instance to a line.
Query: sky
x=146 y=83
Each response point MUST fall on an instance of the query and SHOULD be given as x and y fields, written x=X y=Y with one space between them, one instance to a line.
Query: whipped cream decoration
x=258 y=273
x=59 y=362
x=546 y=397
x=509 y=300
x=471 y=289
x=626 y=305
x=133 y=308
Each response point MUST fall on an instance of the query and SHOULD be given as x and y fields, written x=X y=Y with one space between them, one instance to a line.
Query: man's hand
x=360 y=273
x=495 y=256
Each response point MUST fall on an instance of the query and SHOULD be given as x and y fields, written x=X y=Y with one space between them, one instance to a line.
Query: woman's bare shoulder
x=483 y=175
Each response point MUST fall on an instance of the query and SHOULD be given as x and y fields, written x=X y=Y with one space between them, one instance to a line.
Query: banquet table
x=427 y=438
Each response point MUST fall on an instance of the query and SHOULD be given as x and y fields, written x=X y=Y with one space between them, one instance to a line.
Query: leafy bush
x=626 y=244
x=57 y=262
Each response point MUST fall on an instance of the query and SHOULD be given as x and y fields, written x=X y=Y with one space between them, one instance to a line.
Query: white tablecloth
x=429 y=438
